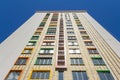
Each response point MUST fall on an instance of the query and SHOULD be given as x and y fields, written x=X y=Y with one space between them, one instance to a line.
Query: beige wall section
x=10 y=49
x=102 y=39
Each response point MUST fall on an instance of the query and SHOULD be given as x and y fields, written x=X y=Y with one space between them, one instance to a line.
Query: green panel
x=96 y=57
x=103 y=70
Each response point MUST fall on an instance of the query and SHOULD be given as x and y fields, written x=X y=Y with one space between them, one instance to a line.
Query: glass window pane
x=79 y=75
x=105 y=75
x=13 y=75
x=40 y=75
x=61 y=75
x=42 y=60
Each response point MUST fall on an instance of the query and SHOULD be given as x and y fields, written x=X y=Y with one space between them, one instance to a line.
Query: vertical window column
x=61 y=55
x=61 y=75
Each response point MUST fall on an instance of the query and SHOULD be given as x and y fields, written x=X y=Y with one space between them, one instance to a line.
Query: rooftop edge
x=52 y=11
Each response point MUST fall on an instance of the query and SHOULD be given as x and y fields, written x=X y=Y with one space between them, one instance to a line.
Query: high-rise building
x=60 y=45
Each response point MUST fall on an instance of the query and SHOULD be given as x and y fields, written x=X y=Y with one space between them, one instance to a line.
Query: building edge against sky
x=106 y=44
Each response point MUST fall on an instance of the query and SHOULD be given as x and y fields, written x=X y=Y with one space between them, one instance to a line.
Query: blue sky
x=13 y=13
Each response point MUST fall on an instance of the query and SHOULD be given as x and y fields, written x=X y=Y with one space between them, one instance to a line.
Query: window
x=51 y=31
x=69 y=28
x=27 y=50
x=92 y=51
x=40 y=29
x=37 y=33
x=42 y=24
x=49 y=37
x=40 y=75
x=74 y=51
x=86 y=37
x=53 y=22
x=31 y=43
x=71 y=38
x=68 y=22
x=21 y=61
x=81 y=28
x=72 y=43
x=79 y=75
x=105 y=75
x=48 y=44
x=70 y=32
x=43 y=61
x=69 y=25
x=98 y=61
x=83 y=32
x=34 y=37
x=76 y=61
x=46 y=50
x=61 y=75
x=13 y=75
x=88 y=43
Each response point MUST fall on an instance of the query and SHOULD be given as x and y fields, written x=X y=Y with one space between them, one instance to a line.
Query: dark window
x=70 y=32
x=46 y=50
x=98 y=61
x=49 y=37
x=79 y=75
x=44 y=61
x=92 y=51
x=34 y=37
x=105 y=75
x=86 y=37
x=60 y=73
x=42 y=24
x=88 y=43
x=40 y=75
x=21 y=61
x=76 y=61
x=13 y=75
x=37 y=33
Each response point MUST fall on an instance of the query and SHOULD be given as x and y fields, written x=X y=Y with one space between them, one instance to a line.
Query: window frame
x=81 y=75
x=46 y=53
x=92 y=50
x=22 y=58
x=59 y=78
x=98 y=62
x=27 y=49
x=34 y=36
x=21 y=71
x=39 y=70
x=89 y=43
x=104 y=74
x=72 y=43
x=77 y=61
x=74 y=51
x=33 y=43
x=44 y=60
x=36 y=33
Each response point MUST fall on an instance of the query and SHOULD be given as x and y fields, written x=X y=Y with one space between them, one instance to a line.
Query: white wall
x=113 y=43
x=11 y=48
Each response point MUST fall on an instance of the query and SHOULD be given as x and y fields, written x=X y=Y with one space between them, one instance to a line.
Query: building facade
x=60 y=45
